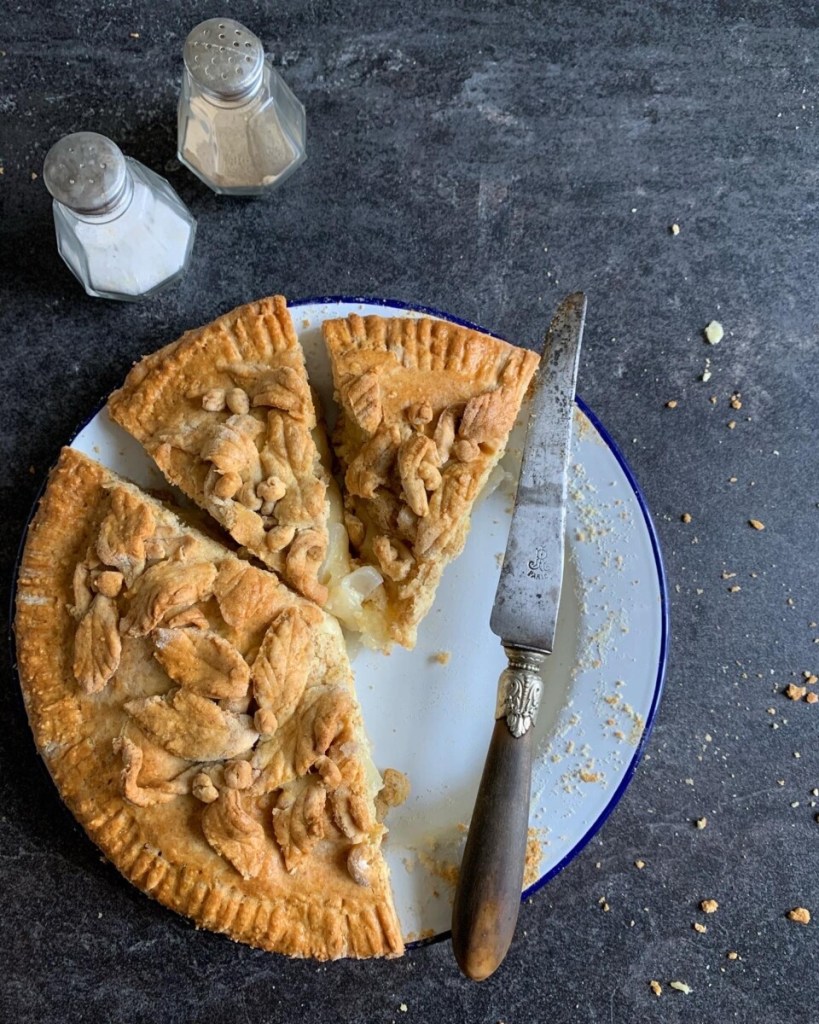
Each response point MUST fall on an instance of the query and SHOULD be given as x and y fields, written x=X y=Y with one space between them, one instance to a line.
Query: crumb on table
x=799 y=914
x=714 y=333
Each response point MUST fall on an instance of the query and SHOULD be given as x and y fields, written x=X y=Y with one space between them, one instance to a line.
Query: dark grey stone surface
x=485 y=158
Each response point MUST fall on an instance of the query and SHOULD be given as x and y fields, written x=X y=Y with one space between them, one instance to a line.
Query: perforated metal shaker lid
x=85 y=172
x=224 y=58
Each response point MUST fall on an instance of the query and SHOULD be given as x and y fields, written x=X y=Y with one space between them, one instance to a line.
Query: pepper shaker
x=240 y=128
x=122 y=229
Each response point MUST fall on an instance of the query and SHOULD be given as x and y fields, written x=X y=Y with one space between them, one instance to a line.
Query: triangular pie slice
x=227 y=414
x=426 y=411
x=199 y=719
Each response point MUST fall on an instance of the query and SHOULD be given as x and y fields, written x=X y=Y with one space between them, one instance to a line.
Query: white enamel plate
x=429 y=712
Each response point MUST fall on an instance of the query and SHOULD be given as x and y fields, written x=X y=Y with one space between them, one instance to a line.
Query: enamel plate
x=429 y=712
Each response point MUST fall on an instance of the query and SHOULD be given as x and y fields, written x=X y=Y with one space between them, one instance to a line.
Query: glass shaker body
x=126 y=246
x=240 y=128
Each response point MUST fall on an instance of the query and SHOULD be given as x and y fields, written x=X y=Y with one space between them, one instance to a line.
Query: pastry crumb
x=675 y=229
x=403 y=1007
x=757 y=524
x=811 y=698
x=672 y=404
x=732 y=424
x=680 y=986
x=700 y=823
x=655 y=987
x=714 y=333
x=442 y=657
x=794 y=692
x=395 y=789
x=639 y=864
x=732 y=954
x=799 y=914
x=686 y=517
x=534 y=855
x=699 y=927
x=709 y=906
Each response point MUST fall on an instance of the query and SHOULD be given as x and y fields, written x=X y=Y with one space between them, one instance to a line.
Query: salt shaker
x=240 y=128
x=122 y=229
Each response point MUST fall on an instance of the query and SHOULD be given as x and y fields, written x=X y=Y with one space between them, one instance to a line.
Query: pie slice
x=227 y=414
x=199 y=719
x=426 y=410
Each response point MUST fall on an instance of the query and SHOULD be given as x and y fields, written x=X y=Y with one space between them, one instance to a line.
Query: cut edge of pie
x=227 y=414
x=198 y=719
x=426 y=408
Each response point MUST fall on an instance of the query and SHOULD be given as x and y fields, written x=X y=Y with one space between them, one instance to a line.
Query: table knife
x=524 y=616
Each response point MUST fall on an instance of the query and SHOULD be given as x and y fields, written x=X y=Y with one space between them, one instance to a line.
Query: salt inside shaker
x=240 y=128
x=122 y=229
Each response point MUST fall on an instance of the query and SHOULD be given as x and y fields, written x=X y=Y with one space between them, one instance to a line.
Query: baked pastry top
x=227 y=414
x=426 y=411
x=199 y=719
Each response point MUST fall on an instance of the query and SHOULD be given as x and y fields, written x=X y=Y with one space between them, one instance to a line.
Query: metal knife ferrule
x=519 y=689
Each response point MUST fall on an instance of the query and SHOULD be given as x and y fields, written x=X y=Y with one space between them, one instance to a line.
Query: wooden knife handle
x=487 y=898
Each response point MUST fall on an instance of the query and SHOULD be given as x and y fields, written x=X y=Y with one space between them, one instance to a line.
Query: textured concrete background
x=485 y=158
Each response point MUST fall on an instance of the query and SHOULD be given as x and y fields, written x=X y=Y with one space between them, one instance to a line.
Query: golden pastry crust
x=427 y=407
x=227 y=415
x=222 y=784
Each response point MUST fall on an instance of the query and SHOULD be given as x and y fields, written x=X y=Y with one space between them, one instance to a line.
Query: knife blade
x=524 y=616
x=528 y=594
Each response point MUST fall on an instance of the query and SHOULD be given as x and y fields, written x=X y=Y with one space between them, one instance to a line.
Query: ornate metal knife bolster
x=519 y=689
